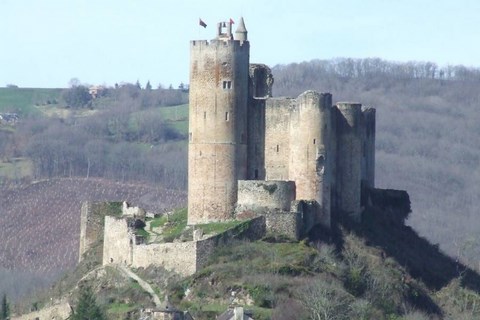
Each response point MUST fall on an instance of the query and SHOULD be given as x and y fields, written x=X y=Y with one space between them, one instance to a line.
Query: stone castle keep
x=302 y=159
x=282 y=165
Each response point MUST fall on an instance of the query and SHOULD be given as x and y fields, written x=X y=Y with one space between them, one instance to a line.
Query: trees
x=87 y=308
x=77 y=96
x=5 y=312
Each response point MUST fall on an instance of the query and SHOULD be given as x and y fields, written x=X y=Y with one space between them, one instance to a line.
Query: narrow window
x=314 y=141
x=278 y=148
x=190 y=136
x=227 y=84
x=227 y=116
x=205 y=115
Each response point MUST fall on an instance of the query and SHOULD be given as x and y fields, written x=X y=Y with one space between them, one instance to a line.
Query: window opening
x=227 y=116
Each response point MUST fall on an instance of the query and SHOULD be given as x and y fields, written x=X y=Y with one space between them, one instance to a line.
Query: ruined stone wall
x=186 y=258
x=258 y=196
x=349 y=155
x=277 y=138
x=175 y=256
x=91 y=226
x=117 y=247
x=284 y=222
x=217 y=127
x=60 y=311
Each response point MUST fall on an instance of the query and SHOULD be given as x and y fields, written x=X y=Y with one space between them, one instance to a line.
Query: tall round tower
x=349 y=158
x=310 y=149
x=217 y=151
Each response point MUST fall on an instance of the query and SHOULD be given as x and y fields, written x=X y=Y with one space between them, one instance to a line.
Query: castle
x=284 y=165
x=249 y=153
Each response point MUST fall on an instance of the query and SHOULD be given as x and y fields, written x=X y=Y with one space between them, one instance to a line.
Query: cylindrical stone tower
x=368 y=161
x=349 y=158
x=217 y=152
x=310 y=128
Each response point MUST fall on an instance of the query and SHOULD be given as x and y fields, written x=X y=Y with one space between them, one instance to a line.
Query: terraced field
x=40 y=222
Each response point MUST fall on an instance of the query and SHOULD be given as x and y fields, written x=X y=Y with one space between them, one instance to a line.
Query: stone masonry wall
x=117 y=244
x=176 y=256
x=217 y=156
x=91 y=225
x=349 y=155
x=256 y=195
x=277 y=138
x=285 y=223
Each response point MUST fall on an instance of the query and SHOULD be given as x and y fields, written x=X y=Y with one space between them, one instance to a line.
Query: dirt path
x=142 y=283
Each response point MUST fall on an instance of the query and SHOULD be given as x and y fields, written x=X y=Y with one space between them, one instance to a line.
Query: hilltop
x=380 y=269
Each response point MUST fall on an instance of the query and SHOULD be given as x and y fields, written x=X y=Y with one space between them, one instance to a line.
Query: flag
x=231 y=21
x=203 y=24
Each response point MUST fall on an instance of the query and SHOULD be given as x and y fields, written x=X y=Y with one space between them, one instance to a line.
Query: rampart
x=185 y=258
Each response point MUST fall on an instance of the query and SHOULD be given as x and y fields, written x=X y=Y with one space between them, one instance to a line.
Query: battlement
x=205 y=44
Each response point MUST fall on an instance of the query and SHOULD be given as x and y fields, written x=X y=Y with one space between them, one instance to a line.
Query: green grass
x=113 y=208
x=218 y=227
x=177 y=117
x=177 y=223
x=121 y=307
x=23 y=100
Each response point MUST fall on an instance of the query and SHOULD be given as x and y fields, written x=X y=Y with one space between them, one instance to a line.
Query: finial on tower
x=241 y=32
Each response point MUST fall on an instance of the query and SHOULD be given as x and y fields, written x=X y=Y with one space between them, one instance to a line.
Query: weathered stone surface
x=59 y=311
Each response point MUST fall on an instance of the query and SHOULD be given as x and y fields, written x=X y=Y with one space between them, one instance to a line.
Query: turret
x=349 y=158
x=241 y=32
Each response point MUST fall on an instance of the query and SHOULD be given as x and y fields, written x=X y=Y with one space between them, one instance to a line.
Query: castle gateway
x=302 y=158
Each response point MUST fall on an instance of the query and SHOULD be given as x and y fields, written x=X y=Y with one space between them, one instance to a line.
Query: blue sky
x=45 y=43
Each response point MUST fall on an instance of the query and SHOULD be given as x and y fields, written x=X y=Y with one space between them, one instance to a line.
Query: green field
x=24 y=100
x=177 y=116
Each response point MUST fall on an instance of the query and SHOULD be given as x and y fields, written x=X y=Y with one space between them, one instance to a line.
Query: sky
x=46 y=43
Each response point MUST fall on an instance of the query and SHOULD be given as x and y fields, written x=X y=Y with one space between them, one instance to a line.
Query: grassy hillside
x=177 y=116
x=24 y=100
x=379 y=270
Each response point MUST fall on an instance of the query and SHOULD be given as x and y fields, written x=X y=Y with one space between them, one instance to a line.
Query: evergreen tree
x=87 y=308
x=148 y=86
x=5 y=312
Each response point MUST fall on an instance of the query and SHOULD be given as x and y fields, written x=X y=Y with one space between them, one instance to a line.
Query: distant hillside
x=25 y=100
x=427 y=136
x=41 y=224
